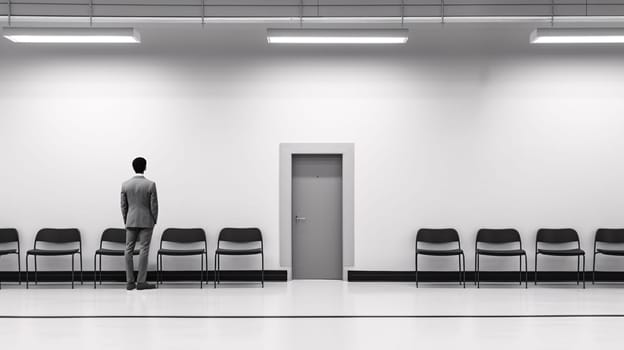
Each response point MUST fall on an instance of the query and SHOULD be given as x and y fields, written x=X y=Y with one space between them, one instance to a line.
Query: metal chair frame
x=111 y=235
x=564 y=236
x=168 y=236
x=444 y=236
x=10 y=235
x=609 y=236
x=511 y=236
x=59 y=239
x=229 y=235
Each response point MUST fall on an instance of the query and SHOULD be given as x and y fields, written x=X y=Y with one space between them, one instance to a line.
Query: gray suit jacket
x=139 y=202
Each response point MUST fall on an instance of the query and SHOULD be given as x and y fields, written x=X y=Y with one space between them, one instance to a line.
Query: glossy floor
x=313 y=315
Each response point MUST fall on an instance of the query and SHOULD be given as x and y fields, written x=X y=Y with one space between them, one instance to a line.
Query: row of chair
x=487 y=239
x=68 y=242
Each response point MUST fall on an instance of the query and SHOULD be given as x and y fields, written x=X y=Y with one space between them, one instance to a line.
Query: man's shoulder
x=140 y=180
x=136 y=180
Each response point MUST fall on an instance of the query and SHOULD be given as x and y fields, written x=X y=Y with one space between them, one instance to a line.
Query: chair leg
x=459 y=271
x=206 y=269
x=81 y=270
x=215 y=271
x=72 y=257
x=218 y=269
x=535 y=276
x=520 y=269
x=100 y=270
x=94 y=271
x=19 y=270
x=578 y=270
x=36 y=277
x=583 y=271
x=475 y=270
x=526 y=272
x=594 y=269
x=162 y=270
x=201 y=272
x=478 y=278
x=464 y=263
x=27 y=271
x=416 y=268
x=157 y=270
x=262 y=269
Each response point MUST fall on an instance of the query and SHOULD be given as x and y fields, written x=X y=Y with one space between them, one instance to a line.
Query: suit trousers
x=144 y=237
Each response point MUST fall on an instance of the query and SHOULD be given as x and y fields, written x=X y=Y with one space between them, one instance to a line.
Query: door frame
x=286 y=152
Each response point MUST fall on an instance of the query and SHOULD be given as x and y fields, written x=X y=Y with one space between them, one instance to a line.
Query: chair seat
x=440 y=252
x=181 y=252
x=114 y=252
x=51 y=252
x=501 y=252
x=562 y=252
x=618 y=252
x=8 y=251
x=222 y=251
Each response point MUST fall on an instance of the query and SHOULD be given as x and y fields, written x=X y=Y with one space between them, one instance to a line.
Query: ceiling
x=383 y=11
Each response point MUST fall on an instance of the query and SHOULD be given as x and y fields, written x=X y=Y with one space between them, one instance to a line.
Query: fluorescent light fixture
x=71 y=35
x=577 y=36
x=337 y=36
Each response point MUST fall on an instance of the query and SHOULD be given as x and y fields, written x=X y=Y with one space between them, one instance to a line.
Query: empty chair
x=605 y=237
x=187 y=236
x=52 y=236
x=441 y=236
x=238 y=236
x=9 y=236
x=508 y=236
x=560 y=236
x=110 y=237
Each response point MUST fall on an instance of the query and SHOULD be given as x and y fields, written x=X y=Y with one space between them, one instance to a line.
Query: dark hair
x=139 y=164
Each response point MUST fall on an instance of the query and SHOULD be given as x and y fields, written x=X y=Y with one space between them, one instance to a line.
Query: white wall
x=466 y=127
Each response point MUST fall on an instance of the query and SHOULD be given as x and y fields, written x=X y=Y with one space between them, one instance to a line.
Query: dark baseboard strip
x=485 y=276
x=168 y=276
x=309 y=316
x=353 y=276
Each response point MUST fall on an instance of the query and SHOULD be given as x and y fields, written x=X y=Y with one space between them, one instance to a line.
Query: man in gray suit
x=139 y=207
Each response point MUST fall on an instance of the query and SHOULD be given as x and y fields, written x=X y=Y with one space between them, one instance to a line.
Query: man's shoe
x=130 y=286
x=143 y=286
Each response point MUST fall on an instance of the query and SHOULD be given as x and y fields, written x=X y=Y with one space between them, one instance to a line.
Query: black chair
x=606 y=236
x=500 y=236
x=241 y=236
x=441 y=236
x=56 y=236
x=560 y=236
x=111 y=236
x=10 y=235
x=183 y=236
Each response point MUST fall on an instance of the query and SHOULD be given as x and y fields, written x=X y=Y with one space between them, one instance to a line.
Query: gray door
x=317 y=217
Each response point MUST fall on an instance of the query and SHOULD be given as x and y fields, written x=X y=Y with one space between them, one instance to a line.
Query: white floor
x=390 y=316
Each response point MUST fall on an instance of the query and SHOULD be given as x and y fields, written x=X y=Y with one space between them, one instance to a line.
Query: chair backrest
x=610 y=235
x=113 y=235
x=240 y=235
x=8 y=235
x=437 y=235
x=58 y=235
x=557 y=235
x=498 y=236
x=183 y=235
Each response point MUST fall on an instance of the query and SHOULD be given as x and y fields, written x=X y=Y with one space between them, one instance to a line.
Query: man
x=139 y=207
